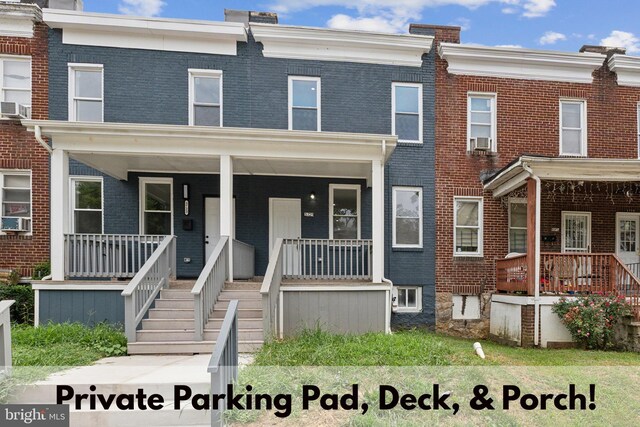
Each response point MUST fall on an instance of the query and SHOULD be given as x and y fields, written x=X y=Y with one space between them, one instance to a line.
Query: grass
x=420 y=348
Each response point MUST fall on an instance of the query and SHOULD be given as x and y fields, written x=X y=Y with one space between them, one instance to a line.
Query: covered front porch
x=573 y=228
x=215 y=206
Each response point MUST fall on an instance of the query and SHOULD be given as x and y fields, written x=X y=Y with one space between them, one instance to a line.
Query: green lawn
x=420 y=348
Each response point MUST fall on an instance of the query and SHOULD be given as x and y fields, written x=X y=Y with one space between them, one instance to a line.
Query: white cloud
x=463 y=23
x=622 y=39
x=141 y=7
x=395 y=15
x=551 y=37
x=515 y=46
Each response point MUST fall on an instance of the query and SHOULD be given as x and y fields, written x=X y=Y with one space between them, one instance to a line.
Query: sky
x=538 y=24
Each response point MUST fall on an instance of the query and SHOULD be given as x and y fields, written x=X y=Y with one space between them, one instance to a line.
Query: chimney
x=604 y=50
x=444 y=33
x=247 y=16
x=57 y=4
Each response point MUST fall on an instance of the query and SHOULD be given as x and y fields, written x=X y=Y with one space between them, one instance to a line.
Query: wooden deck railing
x=571 y=273
x=107 y=255
x=322 y=259
x=209 y=285
x=223 y=365
x=145 y=286
x=270 y=291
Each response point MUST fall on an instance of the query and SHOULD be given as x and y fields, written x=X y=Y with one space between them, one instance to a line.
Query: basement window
x=409 y=299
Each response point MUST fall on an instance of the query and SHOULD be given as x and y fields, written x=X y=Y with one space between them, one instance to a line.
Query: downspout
x=38 y=135
x=536 y=298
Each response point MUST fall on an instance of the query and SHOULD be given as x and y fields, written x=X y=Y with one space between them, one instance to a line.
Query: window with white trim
x=467 y=226
x=407 y=217
x=205 y=98
x=573 y=128
x=409 y=299
x=304 y=103
x=15 y=83
x=344 y=204
x=406 y=121
x=481 y=120
x=518 y=226
x=15 y=200
x=156 y=206
x=86 y=93
x=87 y=205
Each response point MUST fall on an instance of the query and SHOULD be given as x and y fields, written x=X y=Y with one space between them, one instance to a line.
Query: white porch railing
x=319 y=259
x=270 y=290
x=5 y=338
x=209 y=285
x=107 y=255
x=223 y=365
x=146 y=285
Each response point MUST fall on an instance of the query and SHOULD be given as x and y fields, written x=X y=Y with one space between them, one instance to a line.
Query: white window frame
x=23 y=172
x=417 y=308
x=318 y=99
x=142 y=196
x=333 y=187
x=583 y=127
x=587 y=215
x=193 y=73
x=493 y=97
x=480 y=251
x=520 y=201
x=394 y=85
x=16 y=58
x=420 y=216
x=73 y=67
x=72 y=198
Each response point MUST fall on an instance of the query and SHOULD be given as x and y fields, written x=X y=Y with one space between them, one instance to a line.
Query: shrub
x=40 y=270
x=10 y=278
x=591 y=318
x=22 y=309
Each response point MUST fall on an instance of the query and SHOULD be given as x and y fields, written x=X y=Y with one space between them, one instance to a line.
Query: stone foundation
x=466 y=328
x=627 y=335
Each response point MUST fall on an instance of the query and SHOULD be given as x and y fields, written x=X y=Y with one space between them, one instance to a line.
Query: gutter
x=536 y=299
x=38 y=134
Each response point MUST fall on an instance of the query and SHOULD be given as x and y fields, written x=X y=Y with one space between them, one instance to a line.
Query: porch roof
x=515 y=174
x=119 y=148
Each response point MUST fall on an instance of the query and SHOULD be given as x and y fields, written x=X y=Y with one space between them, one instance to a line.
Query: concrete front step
x=181 y=284
x=186 y=347
x=175 y=293
x=255 y=286
x=171 y=313
x=187 y=335
x=243 y=313
x=223 y=303
x=174 y=303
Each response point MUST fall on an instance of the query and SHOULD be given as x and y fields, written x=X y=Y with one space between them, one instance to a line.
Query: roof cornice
x=627 y=68
x=17 y=19
x=146 y=33
x=326 y=44
x=519 y=63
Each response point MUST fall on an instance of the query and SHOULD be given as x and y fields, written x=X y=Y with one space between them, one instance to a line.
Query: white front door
x=285 y=221
x=212 y=224
x=627 y=228
x=576 y=232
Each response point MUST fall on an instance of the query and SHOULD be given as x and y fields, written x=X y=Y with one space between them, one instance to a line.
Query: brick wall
x=527 y=123
x=20 y=150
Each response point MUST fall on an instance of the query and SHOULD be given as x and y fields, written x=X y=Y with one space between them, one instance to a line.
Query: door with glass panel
x=627 y=248
x=576 y=238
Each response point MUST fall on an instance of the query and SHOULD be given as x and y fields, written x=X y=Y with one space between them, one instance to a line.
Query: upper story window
x=15 y=200
x=304 y=103
x=406 y=121
x=573 y=128
x=344 y=204
x=87 y=204
x=15 y=85
x=86 y=93
x=407 y=217
x=467 y=234
x=205 y=98
x=481 y=122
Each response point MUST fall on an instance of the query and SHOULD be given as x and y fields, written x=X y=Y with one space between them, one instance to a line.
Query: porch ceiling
x=119 y=148
x=516 y=173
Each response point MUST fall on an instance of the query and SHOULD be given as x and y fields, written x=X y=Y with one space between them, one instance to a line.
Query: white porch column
x=226 y=206
x=377 y=219
x=59 y=219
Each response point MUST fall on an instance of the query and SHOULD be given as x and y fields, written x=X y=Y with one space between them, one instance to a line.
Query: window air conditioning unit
x=480 y=143
x=14 y=224
x=13 y=110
